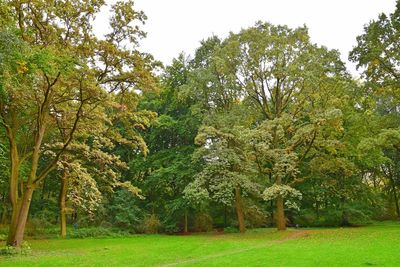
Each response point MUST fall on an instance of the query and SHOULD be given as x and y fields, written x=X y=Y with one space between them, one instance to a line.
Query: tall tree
x=285 y=77
x=377 y=55
x=54 y=61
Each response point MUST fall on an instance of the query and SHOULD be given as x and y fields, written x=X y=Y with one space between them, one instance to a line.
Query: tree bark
x=280 y=214
x=239 y=210
x=396 y=201
x=280 y=209
x=17 y=226
x=15 y=204
x=185 y=230
x=63 y=198
x=13 y=223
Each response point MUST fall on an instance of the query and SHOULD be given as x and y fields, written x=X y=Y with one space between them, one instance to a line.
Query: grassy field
x=376 y=245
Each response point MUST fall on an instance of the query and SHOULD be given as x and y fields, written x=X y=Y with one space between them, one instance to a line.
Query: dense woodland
x=262 y=128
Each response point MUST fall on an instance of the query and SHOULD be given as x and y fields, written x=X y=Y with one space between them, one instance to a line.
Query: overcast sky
x=179 y=25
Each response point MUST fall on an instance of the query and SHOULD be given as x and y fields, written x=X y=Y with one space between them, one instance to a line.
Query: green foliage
x=151 y=224
x=3 y=237
x=203 y=223
x=224 y=167
x=231 y=230
x=25 y=249
x=123 y=210
x=109 y=137
x=97 y=232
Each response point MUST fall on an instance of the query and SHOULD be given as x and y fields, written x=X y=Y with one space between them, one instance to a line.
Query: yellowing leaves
x=22 y=67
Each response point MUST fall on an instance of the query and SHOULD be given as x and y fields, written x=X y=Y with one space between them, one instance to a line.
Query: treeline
x=262 y=128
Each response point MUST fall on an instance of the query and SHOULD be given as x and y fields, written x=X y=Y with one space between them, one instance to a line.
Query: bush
x=97 y=232
x=3 y=237
x=37 y=227
x=255 y=217
x=171 y=228
x=12 y=251
x=230 y=230
x=331 y=217
x=4 y=229
x=151 y=224
x=203 y=223
x=123 y=210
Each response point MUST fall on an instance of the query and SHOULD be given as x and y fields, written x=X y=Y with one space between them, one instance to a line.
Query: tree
x=54 y=61
x=381 y=154
x=285 y=77
x=167 y=170
x=91 y=164
x=377 y=54
x=225 y=176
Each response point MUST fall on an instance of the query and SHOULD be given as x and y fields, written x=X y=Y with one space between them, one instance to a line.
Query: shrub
x=332 y=217
x=151 y=224
x=97 y=232
x=255 y=217
x=90 y=232
x=37 y=227
x=230 y=230
x=123 y=210
x=12 y=251
x=3 y=237
x=203 y=223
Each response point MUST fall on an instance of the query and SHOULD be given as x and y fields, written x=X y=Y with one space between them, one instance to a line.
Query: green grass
x=376 y=245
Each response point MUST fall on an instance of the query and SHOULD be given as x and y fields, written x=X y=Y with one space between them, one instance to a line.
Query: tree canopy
x=261 y=128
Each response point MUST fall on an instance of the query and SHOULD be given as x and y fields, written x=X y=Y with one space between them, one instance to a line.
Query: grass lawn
x=375 y=245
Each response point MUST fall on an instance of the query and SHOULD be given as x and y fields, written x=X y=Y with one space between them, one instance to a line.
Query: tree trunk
x=185 y=230
x=13 y=223
x=63 y=198
x=239 y=210
x=345 y=218
x=280 y=214
x=280 y=209
x=225 y=216
x=13 y=193
x=396 y=201
x=394 y=192
x=17 y=226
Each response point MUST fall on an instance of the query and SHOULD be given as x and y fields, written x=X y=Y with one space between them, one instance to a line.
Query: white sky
x=174 y=26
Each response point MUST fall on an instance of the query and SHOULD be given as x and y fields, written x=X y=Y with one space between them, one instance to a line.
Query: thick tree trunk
x=13 y=193
x=15 y=164
x=280 y=214
x=13 y=223
x=63 y=198
x=239 y=210
x=17 y=227
x=280 y=209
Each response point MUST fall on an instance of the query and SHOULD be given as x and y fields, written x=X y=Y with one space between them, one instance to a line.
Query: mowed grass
x=376 y=245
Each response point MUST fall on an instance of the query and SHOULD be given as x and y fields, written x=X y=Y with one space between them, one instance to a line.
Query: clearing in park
x=375 y=245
